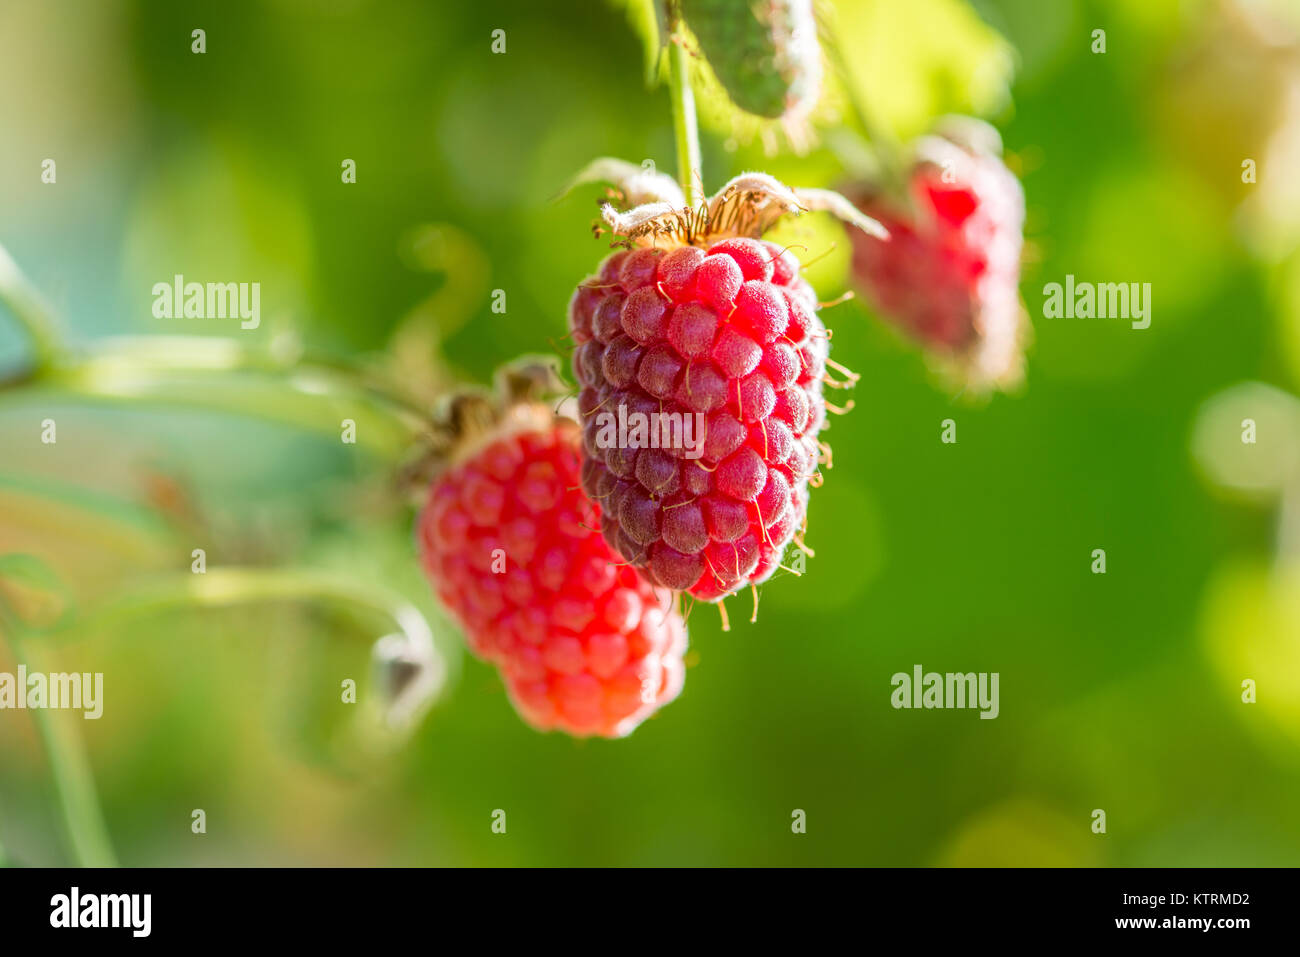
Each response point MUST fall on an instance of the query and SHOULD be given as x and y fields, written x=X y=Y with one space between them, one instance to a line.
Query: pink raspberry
x=728 y=337
x=949 y=273
x=513 y=549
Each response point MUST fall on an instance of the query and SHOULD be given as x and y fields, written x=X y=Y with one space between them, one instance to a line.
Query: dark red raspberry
x=949 y=273
x=729 y=332
x=514 y=550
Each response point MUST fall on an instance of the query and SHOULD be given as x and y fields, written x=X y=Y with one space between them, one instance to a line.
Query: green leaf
x=909 y=63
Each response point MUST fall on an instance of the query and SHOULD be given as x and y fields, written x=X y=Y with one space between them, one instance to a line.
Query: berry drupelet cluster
x=514 y=551
x=728 y=334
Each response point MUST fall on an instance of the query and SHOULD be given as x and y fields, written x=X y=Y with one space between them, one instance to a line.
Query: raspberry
x=701 y=378
x=513 y=549
x=949 y=274
x=729 y=331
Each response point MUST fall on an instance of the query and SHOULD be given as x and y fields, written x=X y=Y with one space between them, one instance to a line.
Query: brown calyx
x=527 y=397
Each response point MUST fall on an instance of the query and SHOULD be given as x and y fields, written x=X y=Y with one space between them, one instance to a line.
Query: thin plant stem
x=30 y=310
x=82 y=819
x=231 y=586
x=153 y=369
x=234 y=586
x=137 y=367
x=686 y=131
x=74 y=782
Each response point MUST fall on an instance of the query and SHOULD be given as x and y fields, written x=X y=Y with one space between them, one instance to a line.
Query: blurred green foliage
x=1119 y=692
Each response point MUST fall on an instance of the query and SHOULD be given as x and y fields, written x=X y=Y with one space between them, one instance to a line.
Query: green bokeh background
x=1118 y=691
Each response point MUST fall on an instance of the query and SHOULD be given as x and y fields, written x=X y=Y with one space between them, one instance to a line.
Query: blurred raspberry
x=513 y=549
x=730 y=332
x=949 y=273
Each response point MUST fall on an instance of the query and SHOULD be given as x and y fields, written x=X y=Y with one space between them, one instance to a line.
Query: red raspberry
x=949 y=273
x=513 y=549
x=729 y=332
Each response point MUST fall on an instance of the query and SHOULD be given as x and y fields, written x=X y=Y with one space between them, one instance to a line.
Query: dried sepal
x=749 y=205
x=829 y=201
x=528 y=395
x=654 y=220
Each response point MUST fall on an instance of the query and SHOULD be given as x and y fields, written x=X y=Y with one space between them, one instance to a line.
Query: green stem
x=686 y=130
x=225 y=587
x=147 y=367
x=74 y=783
x=184 y=370
x=30 y=310
x=228 y=587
